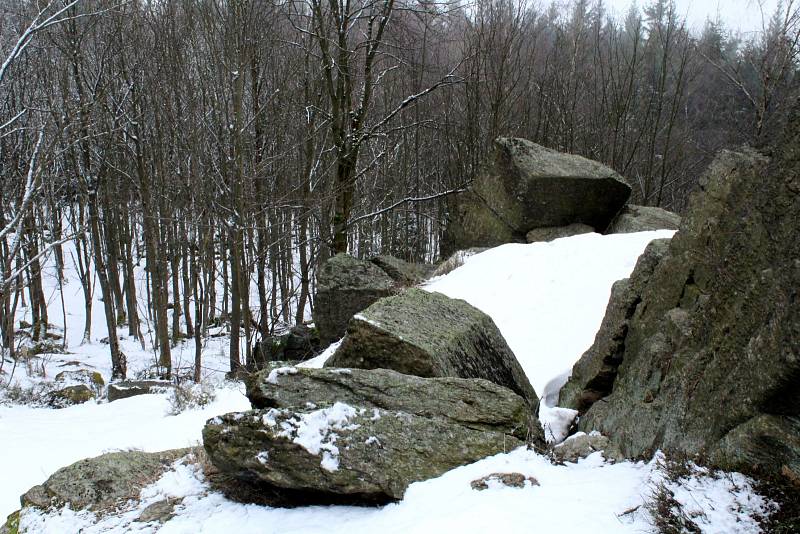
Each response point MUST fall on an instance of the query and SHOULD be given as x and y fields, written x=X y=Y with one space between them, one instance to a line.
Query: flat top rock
x=409 y=316
x=537 y=161
x=343 y=271
x=99 y=483
x=474 y=403
x=644 y=218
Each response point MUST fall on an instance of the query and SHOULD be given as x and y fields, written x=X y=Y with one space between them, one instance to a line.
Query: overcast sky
x=742 y=14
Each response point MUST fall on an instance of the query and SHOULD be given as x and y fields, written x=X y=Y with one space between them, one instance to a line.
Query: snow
x=36 y=442
x=315 y=431
x=716 y=502
x=547 y=299
x=588 y=496
x=318 y=361
x=272 y=378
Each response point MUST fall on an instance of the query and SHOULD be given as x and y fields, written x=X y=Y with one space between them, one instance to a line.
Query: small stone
x=581 y=445
x=160 y=512
x=511 y=480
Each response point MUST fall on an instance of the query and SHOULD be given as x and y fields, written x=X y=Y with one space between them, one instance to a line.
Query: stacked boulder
x=346 y=285
x=699 y=352
x=430 y=335
x=420 y=385
x=529 y=193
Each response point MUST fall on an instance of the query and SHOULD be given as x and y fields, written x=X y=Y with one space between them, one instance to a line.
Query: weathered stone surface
x=70 y=395
x=712 y=354
x=98 y=484
x=594 y=374
x=473 y=403
x=549 y=233
x=511 y=480
x=345 y=286
x=342 y=454
x=528 y=186
x=159 y=512
x=431 y=335
x=581 y=445
x=81 y=376
x=11 y=526
x=132 y=388
x=455 y=260
x=300 y=343
x=634 y=218
x=403 y=272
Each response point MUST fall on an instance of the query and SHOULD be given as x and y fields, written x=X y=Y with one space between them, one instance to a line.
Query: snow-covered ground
x=548 y=300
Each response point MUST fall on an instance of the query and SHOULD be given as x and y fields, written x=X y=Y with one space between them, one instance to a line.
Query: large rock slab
x=345 y=286
x=473 y=403
x=644 y=219
x=342 y=453
x=711 y=359
x=431 y=335
x=527 y=186
x=594 y=374
x=100 y=483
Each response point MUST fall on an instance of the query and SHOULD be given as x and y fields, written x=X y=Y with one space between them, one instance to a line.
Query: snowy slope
x=548 y=299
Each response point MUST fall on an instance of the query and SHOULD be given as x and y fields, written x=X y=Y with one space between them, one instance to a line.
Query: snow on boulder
x=341 y=453
x=101 y=483
x=474 y=403
x=594 y=374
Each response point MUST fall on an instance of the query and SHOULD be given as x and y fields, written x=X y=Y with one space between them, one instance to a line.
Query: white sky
x=737 y=14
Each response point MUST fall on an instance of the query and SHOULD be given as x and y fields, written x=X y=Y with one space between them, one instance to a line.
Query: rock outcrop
x=342 y=453
x=431 y=335
x=131 y=388
x=323 y=436
x=477 y=404
x=644 y=219
x=528 y=186
x=711 y=357
x=594 y=374
x=92 y=379
x=98 y=484
x=345 y=286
